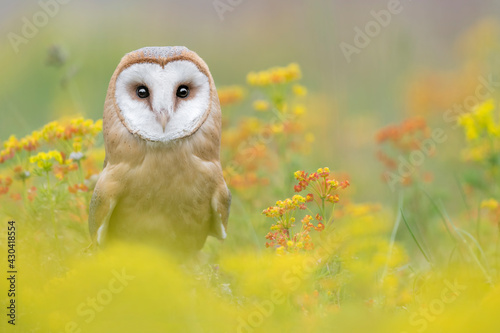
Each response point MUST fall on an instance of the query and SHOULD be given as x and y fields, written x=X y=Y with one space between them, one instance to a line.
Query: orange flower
x=77 y=187
x=8 y=181
x=284 y=210
x=399 y=141
x=32 y=193
x=16 y=196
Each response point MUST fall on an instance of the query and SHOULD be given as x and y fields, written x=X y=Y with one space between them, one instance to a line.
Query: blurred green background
x=349 y=101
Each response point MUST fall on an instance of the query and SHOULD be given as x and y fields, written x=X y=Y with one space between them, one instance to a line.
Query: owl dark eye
x=142 y=92
x=182 y=91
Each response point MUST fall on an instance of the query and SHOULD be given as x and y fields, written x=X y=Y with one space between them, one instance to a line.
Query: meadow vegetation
x=303 y=254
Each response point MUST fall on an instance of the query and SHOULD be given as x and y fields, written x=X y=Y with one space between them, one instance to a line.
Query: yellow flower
x=230 y=95
x=309 y=137
x=56 y=155
x=77 y=146
x=36 y=135
x=469 y=125
x=293 y=72
x=261 y=105
x=77 y=121
x=491 y=204
x=97 y=127
x=280 y=250
x=480 y=122
x=390 y=282
x=298 y=199
x=477 y=153
x=252 y=78
x=253 y=125
x=484 y=116
x=299 y=110
x=88 y=123
x=299 y=90
x=43 y=160
x=278 y=75
x=277 y=128
x=11 y=143
x=51 y=130
x=263 y=78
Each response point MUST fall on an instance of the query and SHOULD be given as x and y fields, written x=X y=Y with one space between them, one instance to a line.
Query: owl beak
x=163 y=117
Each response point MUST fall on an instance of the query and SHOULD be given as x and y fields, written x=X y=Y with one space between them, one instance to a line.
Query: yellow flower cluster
x=284 y=206
x=480 y=122
x=299 y=90
x=44 y=160
x=55 y=130
x=482 y=132
x=261 y=105
x=77 y=144
x=491 y=204
x=230 y=95
x=299 y=110
x=275 y=75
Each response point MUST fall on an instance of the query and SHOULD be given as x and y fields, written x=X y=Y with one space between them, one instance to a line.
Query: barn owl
x=162 y=180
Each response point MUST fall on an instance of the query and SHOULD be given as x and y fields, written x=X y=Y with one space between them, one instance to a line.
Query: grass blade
x=414 y=238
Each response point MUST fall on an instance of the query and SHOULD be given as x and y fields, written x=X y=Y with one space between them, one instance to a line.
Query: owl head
x=161 y=95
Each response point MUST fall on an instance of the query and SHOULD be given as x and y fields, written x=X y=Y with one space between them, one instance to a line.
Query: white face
x=154 y=103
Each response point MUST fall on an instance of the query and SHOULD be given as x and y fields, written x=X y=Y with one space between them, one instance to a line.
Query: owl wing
x=221 y=203
x=102 y=204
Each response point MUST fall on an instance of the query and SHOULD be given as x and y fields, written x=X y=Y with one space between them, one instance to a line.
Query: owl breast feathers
x=162 y=180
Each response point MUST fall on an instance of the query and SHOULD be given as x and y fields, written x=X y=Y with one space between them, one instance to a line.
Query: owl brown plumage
x=162 y=180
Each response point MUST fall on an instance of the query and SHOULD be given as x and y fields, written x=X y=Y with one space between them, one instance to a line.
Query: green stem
x=393 y=236
x=52 y=215
x=414 y=238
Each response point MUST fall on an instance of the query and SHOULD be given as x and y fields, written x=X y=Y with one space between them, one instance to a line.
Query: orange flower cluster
x=320 y=183
x=406 y=136
x=257 y=146
x=31 y=194
x=249 y=148
x=241 y=181
x=284 y=207
x=60 y=171
x=5 y=185
x=78 y=187
x=244 y=154
x=283 y=212
x=400 y=141
x=51 y=153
